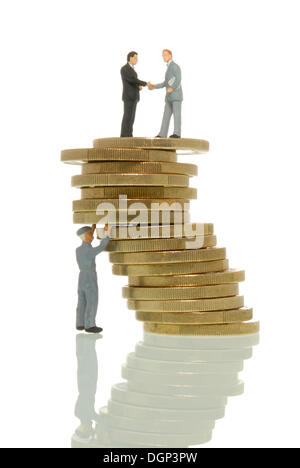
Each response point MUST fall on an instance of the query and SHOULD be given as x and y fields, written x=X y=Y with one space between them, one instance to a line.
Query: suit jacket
x=131 y=84
x=172 y=80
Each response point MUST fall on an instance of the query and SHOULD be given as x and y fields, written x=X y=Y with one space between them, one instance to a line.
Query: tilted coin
x=123 y=217
x=187 y=193
x=127 y=167
x=196 y=305
x=94 y=180
x=154 y=204
x=187 y=144
x=140 y=245
x=218 y=277
x=82 y=155
x=171 y=269
x=204 y=318
x=184 y=292
x=173 y=256
x=154 y=232
x=204 y=330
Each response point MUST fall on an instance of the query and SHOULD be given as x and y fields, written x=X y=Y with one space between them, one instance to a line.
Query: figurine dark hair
x=131 y=54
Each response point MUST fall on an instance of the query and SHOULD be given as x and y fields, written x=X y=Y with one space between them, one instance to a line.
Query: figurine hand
x=150 y=86
x=140 y=88
x=170 y=90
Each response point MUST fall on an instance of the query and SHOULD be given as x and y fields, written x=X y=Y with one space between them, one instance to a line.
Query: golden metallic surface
x=218 y=277
x=203 y=330
x=187 y=292
x=83 y=155
x=191 y=145
x=154 y=205
x=204 y=318
x=128 y=167
x=173 y=256
x=142 y=245
x=171 y=269
x=187 y=193
x=154 y=232
x=196 y=305
x=116 y=217
x=95 y=180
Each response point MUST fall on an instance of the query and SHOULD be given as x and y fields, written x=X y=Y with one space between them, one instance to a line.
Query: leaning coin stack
x=179 y=281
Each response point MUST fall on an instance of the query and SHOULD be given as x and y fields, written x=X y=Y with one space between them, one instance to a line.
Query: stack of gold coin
x=180 y=282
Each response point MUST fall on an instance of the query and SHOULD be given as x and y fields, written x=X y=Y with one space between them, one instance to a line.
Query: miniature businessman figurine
x=174 y=96
x=88 y=284
x=131 y=93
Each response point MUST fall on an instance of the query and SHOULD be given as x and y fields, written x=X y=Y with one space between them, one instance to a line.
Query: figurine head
x=167 y=55
x=132 y=58
x=86 y=234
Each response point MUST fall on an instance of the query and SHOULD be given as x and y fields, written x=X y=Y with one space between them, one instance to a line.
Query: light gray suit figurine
x=174 y=96
x=88 y=283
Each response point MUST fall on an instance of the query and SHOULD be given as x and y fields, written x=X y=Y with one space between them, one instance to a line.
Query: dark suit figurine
x=131 y=93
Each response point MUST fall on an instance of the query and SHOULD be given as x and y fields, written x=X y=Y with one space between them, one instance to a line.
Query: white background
x=61 y=88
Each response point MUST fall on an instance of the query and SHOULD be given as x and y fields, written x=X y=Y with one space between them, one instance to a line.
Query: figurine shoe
x=94 y=330
x=79 y=328
x=174 y=136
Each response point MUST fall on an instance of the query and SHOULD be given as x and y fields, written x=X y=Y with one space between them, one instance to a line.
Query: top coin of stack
x=179 y=280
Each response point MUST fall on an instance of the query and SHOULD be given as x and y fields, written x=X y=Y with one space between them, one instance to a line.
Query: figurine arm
x=175 y=81
x=160 y=85
x=132 y=79
x=102 y=246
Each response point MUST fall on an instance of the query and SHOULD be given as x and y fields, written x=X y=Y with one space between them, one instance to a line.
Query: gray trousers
x=175 y=109
x=87 y=300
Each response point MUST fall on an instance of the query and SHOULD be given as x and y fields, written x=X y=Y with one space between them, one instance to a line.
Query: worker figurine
x=88 y=284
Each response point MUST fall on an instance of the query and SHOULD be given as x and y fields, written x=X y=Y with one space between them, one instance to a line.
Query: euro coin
x=187 y=292
x=187 y=193
x=218 y=277
x=196 y=305
x=154 y=232
x=243 y=328
x=140 y=245
x=204 y=318
x=95 y=180
x=83 y=155
x=173 y=256
x=128 y=167
x=190 y=145
x=171 y=269
x=125 y=218
x=136 y=204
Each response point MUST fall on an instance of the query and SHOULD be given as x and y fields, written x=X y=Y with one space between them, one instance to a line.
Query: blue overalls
x=88 y=284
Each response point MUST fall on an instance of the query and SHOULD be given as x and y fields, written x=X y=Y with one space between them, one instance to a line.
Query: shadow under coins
x=175 y=389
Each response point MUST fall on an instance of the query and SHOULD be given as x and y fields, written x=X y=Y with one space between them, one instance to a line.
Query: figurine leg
x=80 y=312
x=166 y=120
x=91 y=306
x=177 y=117
x=128 y=118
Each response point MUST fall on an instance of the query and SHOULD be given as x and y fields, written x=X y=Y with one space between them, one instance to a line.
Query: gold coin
x=187 y=144
x=171 y=269
x=94 y=180
x=127 y=167
x=142 y=245
x=140 y=192
x=183 y=256
x=200 y=305
x=204 y=330
x=188 y=292
x=154 y=232
x=91 y=205
x=119 y=217
x=218 y=277
x=82 y=155
x=204 y=318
